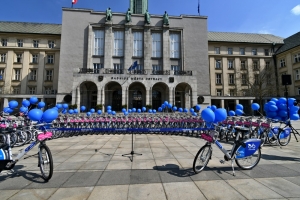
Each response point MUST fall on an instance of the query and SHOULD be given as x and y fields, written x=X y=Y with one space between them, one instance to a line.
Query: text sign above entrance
x=136 y=78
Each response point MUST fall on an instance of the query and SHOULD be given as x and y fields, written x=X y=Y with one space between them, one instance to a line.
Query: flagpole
x=72 y=4
x=199 y=7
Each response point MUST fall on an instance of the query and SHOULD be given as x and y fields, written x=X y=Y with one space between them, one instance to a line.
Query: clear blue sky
x=248 y=16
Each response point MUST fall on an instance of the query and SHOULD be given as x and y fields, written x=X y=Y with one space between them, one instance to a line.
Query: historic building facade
x=96 y=53
x=29 y=61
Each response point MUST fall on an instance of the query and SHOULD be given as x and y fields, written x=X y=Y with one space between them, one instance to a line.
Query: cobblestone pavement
x=163 y=171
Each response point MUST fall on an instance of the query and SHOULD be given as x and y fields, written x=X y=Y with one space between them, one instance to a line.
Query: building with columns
x=172 y=60
x=29 y=60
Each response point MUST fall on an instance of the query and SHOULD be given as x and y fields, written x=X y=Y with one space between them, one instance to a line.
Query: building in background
x=242 y=68
x=29 y=61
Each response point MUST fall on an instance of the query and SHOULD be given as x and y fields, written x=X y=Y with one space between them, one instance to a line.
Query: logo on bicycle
x=251 y=146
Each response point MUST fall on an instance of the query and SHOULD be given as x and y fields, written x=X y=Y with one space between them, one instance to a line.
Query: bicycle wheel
x=45 y=162
x=250 y=161
x=202 y=158
x=222 y=134
x=284 y=141
x=21 y=138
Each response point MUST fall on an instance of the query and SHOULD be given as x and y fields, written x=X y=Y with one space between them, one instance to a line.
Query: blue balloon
x=282 y=106
x=271 y=103
x=125 y=113
x=41 y=104
x=23 y=109
x=113 y=112
x=166 y=103
x=129 y=110
x=88 y=114
x=65 y=106
x=133 y=110
x=294 y=109
x=163 y=106
x=266 y=107
x=208 y=107
x=239 y=107
x=75 y=110
x=160 y=109
x=274 y=99
x=82 y=108
x=153 y=111
x=64 y=111
x=139 y=110
x=25 y=103
x=231 y=113
x=108 y=108
x=185 y=110
x=255 y=106
x=59 y=106
x=123 y=110
x=99 y=112
x=239 y=112
x=170 y=105
x=213 y=107
x=198 y=107
x=71 y=111
x=6 y=109
x=273 y=108
x=33 y=100
x=109 y=111
x=271 y=114
x=92 y=110
x=291 y=101
x=180 y=109
x=294 y=117
x=9 y=110
x=143 y=109
x=220 y=114
x=35 y=114
x=208 y=115
x=282 y=113
x=174 y=108
x=50 y=115
x=150 y=110
x=191 y=110
x=282 y=100
x=55 y=108
x=13 y=104
x=194 y=114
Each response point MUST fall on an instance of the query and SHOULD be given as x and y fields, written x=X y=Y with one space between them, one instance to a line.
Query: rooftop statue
x=128 y=16
x=108 y=15
x=166 y=18
x=147 y=17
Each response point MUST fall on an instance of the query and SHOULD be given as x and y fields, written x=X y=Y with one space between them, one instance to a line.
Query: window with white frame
x=218 y=78
x=118 y=43
x=48 y=90
x=49 y=75
x=32 y=90
x=267 y=53
x=32 y=74
x=99 y=42
x=157 y=69
x=35 y=58
x=20 y=42
x=16 y=90
x=267 y=64
x=217 y=50
x=232 y=92
x=231 y=79
x=18 y=58
x=176 y=69
x=1 y=74
x=50 y=59
x=255 y=65
x=243 y=64
x=118 y=68
x=218 y=64
x=230 y=64
x=17 y=74
x=97 y=67
x=297 y=74
x=242 y=51
x=4 y=42
x=138 y=70
x=138 y=44
x=230 y=51
x=174 y=45
x=51 y=44
x=35 y=43
x=297 y=58
x=219 y=92
x=3 y=58
x=244 y=79
x=282 y=62
x=254 y=52
x=156 y=45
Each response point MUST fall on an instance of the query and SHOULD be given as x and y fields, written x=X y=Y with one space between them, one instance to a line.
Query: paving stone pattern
x=92 y=167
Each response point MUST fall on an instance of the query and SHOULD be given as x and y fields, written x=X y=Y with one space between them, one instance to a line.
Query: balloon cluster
x=166 y=105
x=279 y=109
x=213 y=114
x=239 y=110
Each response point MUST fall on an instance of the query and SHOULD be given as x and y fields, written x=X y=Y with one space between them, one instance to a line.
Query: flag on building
x=133 y=66
x=74 y=1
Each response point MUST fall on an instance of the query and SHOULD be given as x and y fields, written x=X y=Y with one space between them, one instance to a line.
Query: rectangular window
x=176 y=69
x=297 y=58
x=47 y=90
x=256 y=81
x=19 y=58
x=4 y=42
x=218 y=64
x=3 y=58
x=99 y=42
x=49 y=75
x=51 y=44
x=298 y=91
x=243 y=64
x=244 y=79
x=138 y=70
x=97 y=67
x=297 y=74
x=1 y=90
x=231 y=79
x=282 y=62
x=156 y=45
x=232 y=92
x=218 y=78
x=32 y=90
x=20 y=43
x=35 y=58
x=16 y=90
x=254 y=52
x=35 y=43
x=242 y=51
x=217 y=50
x=1 y=74
x=32 y=75
x=138 y=44
x=255 y=65
x=174 y=45
x=50 y=59
x=268 y=77
x=17 y=76
x=138 y=6
x=118 y=69
x=267 y=64
x=219 y=92
x=267 y=52
x=230 y=64
x=230 y=51
x=118 y=43
x=157 y=69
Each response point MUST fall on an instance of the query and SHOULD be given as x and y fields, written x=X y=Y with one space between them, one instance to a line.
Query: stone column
x=78 y=97
x=73 y=96
x=148 y=96
x=147 y=47
x=108 y=45
x=5 y=103
x=171 y=95
x=128 y=48
x=90 y=47
x=103 y=99
x=124 y=95
x=222 y=103
x=166 y=49
x=237 y=101
x=98 y=96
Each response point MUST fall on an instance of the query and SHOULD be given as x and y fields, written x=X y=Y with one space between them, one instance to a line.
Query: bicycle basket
x=251 y=146
x=285 y=133
x=209 y=136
